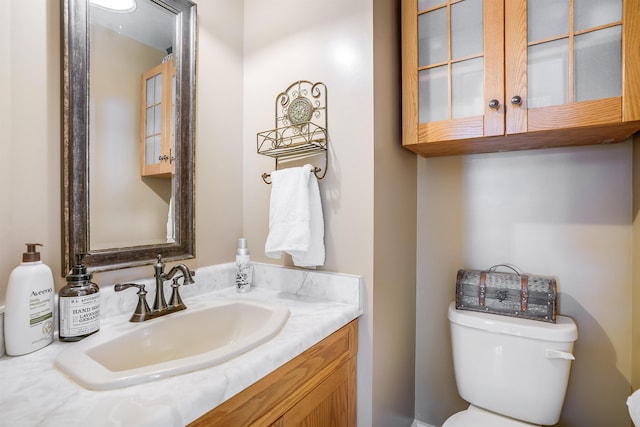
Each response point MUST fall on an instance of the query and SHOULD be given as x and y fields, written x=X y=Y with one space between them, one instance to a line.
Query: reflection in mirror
x=127 y=208
x=129 y=116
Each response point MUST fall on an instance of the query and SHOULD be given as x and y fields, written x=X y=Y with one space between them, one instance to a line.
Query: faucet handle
x=122 y=286
x=176 y=301
x=159 y=265
x=142 y=311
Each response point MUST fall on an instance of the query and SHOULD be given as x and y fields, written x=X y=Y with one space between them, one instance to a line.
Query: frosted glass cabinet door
x=433 y=94
x=547 y=19
x=153 y=118
x=598 y=64
x=467 y=88
x=594 y=13
x=466 y=29
x=432 y=37
x=450 y=51
x=573 y=55
x=157 y=119
x=548 y=73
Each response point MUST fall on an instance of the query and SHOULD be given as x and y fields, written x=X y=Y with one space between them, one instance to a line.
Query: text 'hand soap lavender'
x=28 y=317
x=78 y=305
x=244 y=270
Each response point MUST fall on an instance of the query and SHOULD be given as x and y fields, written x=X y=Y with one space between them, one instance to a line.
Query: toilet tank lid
x=564 y=330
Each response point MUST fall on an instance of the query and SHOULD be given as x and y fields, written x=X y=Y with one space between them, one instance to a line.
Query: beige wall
x=394 y=260
x=8 y=253
x=368 y=194
x=635 y=301
x=560 y=212
x=30 y=136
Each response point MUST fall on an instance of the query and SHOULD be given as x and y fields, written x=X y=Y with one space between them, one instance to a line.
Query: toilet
x=513 y=372
x=633 y=403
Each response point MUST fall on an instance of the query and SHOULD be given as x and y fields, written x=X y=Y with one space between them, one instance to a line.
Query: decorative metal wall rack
x=301 y=126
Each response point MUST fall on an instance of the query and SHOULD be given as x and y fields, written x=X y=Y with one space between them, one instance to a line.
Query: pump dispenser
x=244 y=270
x=78 y=305
x=28 y=317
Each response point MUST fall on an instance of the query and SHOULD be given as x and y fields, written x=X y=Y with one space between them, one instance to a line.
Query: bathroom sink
x=199 y=337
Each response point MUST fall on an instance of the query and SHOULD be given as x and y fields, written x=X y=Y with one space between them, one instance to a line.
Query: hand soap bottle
x=28 y=317
x=244 y=269
x=78 y=305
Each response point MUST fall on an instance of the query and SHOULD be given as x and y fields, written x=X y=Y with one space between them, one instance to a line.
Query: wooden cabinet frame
x=165 y=166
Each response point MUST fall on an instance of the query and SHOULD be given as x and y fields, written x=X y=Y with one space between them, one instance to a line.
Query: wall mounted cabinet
x=157 y=121
x=493 y=75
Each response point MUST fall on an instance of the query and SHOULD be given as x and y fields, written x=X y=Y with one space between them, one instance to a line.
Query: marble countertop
x=33 y=392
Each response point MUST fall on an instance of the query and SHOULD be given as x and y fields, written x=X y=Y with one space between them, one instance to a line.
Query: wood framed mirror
x=113 y=212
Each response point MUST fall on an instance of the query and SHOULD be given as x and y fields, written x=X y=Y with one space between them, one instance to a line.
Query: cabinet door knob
x=494 y=103
x=516 y=100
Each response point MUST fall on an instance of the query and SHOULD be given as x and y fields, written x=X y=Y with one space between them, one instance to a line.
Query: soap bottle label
x=41 y=316
x=79 y=315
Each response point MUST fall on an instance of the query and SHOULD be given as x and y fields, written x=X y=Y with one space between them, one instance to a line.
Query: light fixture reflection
x=115 y=5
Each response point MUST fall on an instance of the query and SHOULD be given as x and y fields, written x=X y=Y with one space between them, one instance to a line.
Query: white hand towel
x=296 y=224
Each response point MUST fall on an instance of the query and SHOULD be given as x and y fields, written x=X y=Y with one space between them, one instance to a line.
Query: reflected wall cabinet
x=158 y=121
x=498 y=75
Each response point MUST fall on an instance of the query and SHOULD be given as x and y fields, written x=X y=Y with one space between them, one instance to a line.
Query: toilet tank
x=514 y=367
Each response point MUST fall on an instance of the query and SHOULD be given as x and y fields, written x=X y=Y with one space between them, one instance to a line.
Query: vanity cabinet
x=157 y=129
x=315 y=389
x=499 y=75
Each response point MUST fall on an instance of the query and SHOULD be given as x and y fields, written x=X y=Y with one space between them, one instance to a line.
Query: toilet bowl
x=514 y=372
x=477 y=417
x=633 y=403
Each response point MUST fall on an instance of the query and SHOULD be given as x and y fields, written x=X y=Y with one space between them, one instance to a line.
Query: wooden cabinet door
x=452 y=69
x=157 y=123
x=327 y=405
x=569 y=63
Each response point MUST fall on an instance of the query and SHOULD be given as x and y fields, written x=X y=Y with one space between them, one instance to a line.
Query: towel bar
x=301 y=126
x=316 y=170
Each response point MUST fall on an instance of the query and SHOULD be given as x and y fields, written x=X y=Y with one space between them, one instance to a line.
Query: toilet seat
x=476 y=417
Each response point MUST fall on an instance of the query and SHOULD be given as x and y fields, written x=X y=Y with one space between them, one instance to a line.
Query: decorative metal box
x=506 y=293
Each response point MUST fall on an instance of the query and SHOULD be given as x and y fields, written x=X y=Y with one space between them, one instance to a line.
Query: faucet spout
x=186 y=274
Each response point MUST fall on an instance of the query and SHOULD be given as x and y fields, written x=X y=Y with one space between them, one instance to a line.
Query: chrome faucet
x=160 y=306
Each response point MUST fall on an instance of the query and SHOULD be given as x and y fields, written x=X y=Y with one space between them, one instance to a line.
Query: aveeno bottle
x=28 y=317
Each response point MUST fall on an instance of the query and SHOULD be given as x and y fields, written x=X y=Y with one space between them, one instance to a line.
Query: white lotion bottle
x=28 y=317
x=244 y=269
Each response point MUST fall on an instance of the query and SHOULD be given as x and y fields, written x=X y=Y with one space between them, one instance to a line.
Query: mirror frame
x=75 y=154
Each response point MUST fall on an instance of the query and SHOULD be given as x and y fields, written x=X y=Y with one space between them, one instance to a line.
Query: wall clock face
x=300 y=111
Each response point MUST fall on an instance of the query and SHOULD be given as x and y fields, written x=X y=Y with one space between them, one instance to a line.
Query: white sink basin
x=195 y=338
